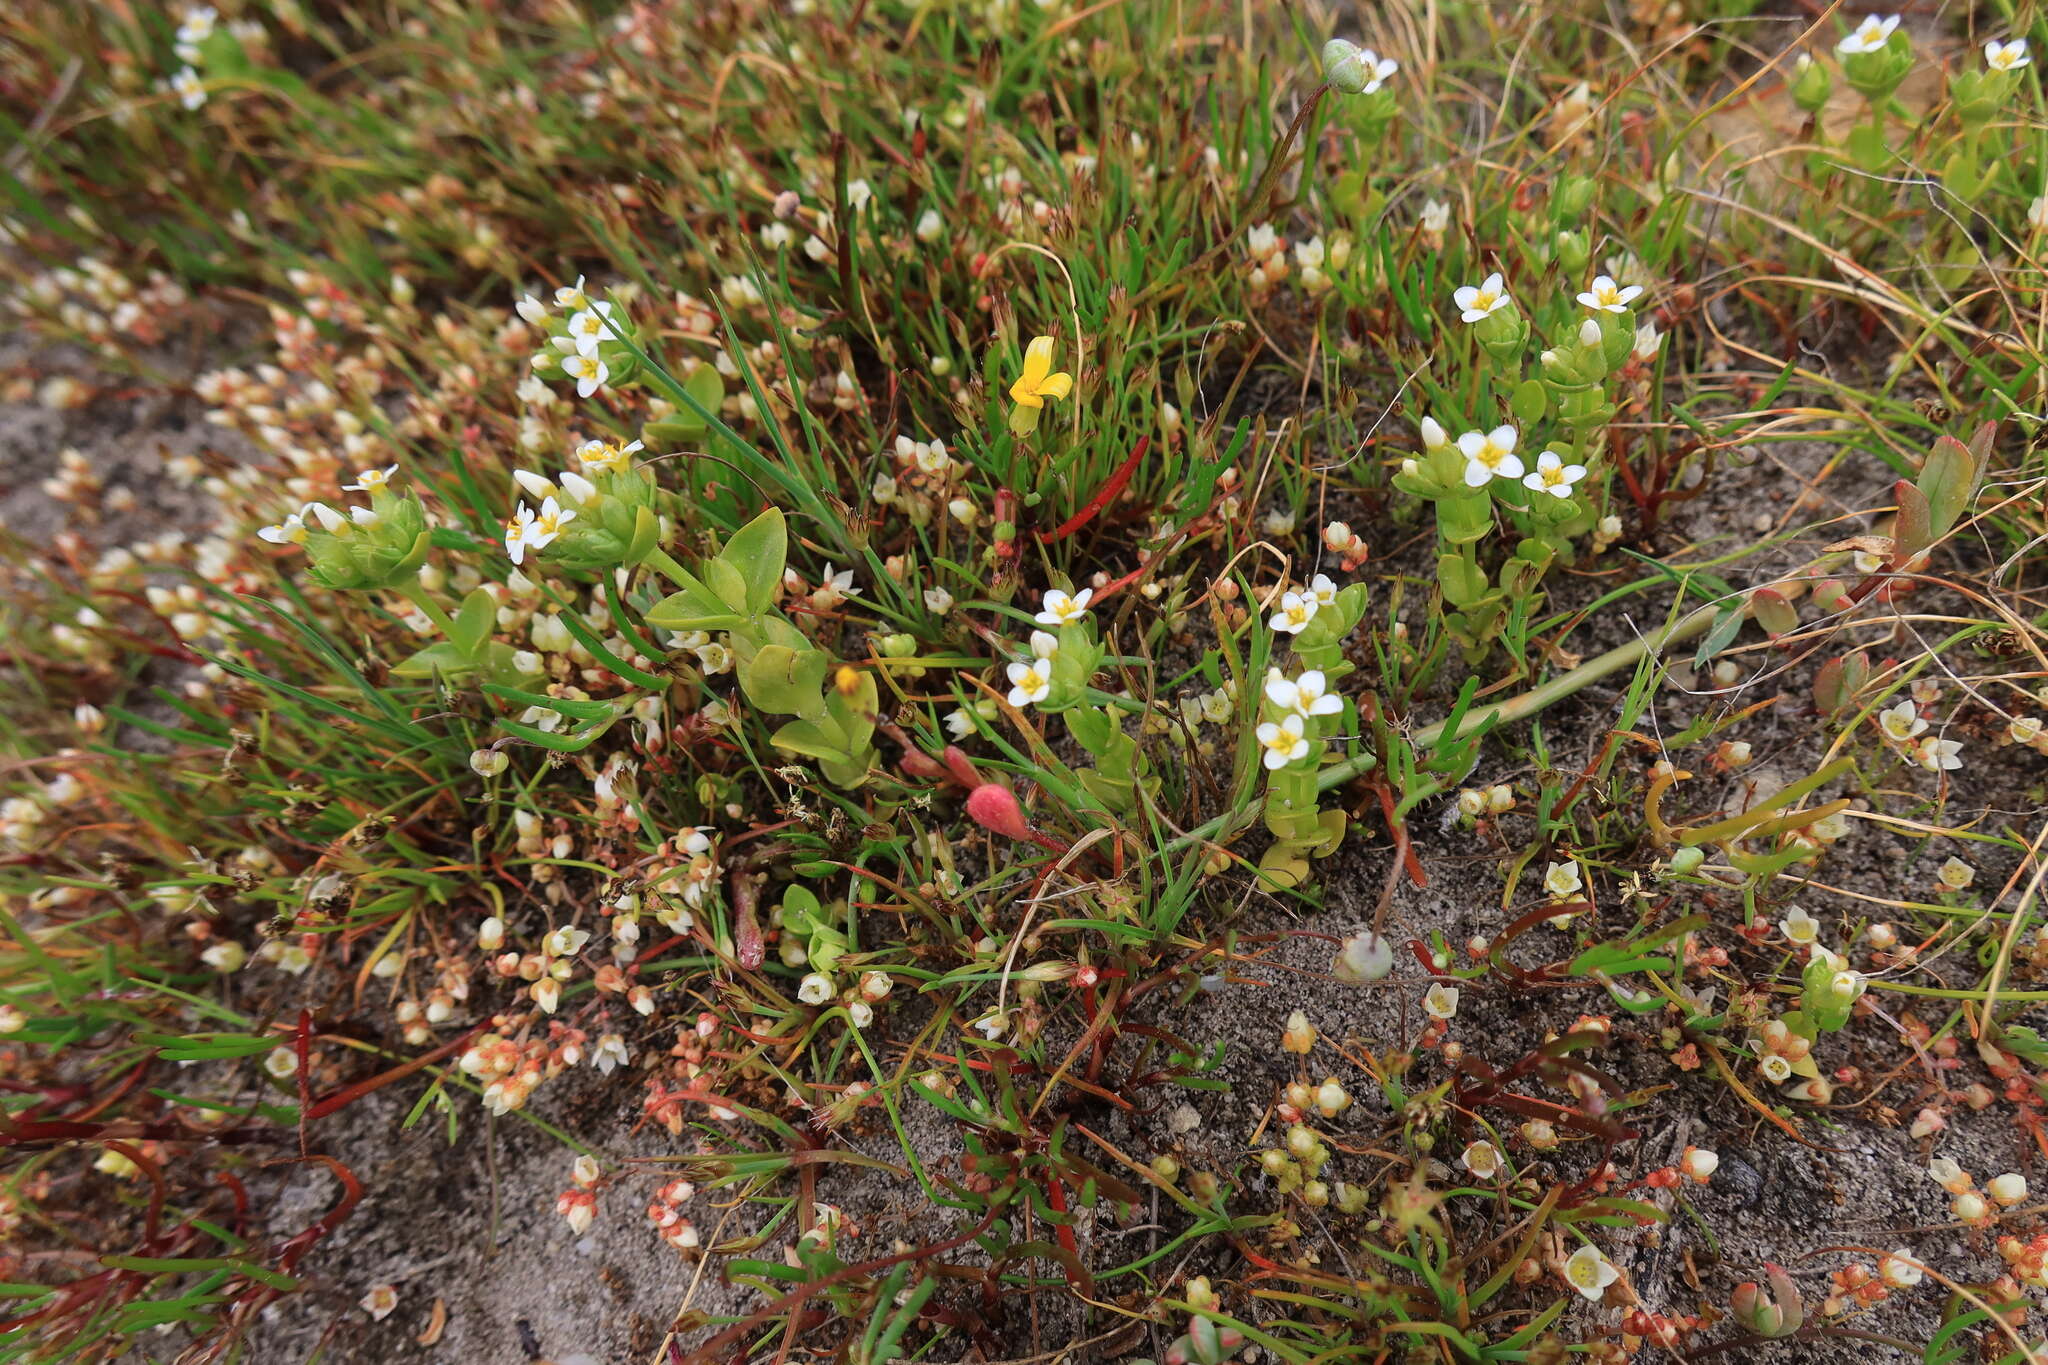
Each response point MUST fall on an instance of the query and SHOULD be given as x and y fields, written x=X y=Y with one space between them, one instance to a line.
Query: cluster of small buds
x=2026 y=1261
x=92 y=299
x=578 y=1204
x=665 y=1212
x=1966 y=1202
x=1318 y=261
x=1339 y=539
x=1476 y=803
x=78 y=483
x=1779 y=1050
x=1297 y=1168
x=1267 y=252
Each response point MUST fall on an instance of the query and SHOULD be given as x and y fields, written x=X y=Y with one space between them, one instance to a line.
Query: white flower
x=572 y=296
x=860 y=1013
x=1375 y=68
x=1283 y=743
x=1648 y=340
x=1869 y=36
x=1030 y=683
x=191 y=91
x=1436 y=215
x=606 y=457
x=938 y=601
x=1044 y=645
x=533 y=310
x=282 y=1063
x=992 y=1024
x=1477 y=303
x=1775 y=1068
x=1607 y=297
x=1553 y=476
x=1296 y=611
x=1058 y=609
x=291 y=531
x=1489 y=455
x=541 y=530
x=1323 y=590
x=1483 y=1159
x=834 y=587
x=1434 y=437
x=589 y=372
x=1937 y=755
x=516 y=530
x=1440 y=1001
x=1587 y=1271
x=1305 y=696
x=1799 y=927
x=1562 y=880
x=814 y=989
x=566 y=941
x=371 y=480
x=929 y=226
x=590 y=327
x=2007 y=56
x=547 y=993
x=1901 y=723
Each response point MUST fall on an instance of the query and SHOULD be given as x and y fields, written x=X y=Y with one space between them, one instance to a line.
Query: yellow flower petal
x=1056 y=386
x=1037 y=362
x=1025 y=395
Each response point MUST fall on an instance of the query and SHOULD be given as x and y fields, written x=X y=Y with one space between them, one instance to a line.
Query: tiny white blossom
x=1938 y=755
x=1901 y=723
x=589 y=372
x=1479 y=302
x=190 y=90
x=1030 y=683
x=1589 y=1272
x=1296 y=611
x=1607 y=297
x=1282 y=743
x=2007 y=56
x=1058 y=609
x=1440 y=1001
x=1489 y=455
x=371 y=480
x=1553 y=476
x=1869 y=36
x=1305 y=696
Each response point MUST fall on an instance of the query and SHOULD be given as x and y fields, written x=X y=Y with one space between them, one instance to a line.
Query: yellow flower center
x=1554 y=476
x=1484 y=300
x=1871 y=32
x=1491 y=454
x=1585 y=1274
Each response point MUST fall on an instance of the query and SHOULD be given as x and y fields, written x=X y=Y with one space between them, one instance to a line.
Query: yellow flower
x=1039 y=382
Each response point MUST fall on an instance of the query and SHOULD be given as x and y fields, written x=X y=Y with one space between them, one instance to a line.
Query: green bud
x=1813 y=84
x=898 y=646
x=1572 y=252
x=1687 y=861
x=1572 y=198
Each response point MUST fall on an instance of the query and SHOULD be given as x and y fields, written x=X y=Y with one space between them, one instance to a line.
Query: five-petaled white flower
x=588 y=371
x=1901 y=723
x=1936 y=754
x=1058 y=609
x=190 y=90
x=1606 y=296
x=1283 y=743
x=1297 y=609
x=291 y=531
x=1305 y=696
x=1323 y=590
x=606 y=457
x=1562 y=880
x=1587 y=1271
x=371 y=480
x=1440 y=1001
x=1553 y=476
x=1489 y=455
x=1868 y=36
x=2007 y=56
x=992 y=1025
x=590 y=327
x=1476 y=303
x=1030 y=682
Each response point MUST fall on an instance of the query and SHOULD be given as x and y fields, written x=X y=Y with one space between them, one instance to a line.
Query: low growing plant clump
x=1004 y=680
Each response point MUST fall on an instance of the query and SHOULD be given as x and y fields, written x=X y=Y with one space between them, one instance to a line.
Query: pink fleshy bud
x=994 y=806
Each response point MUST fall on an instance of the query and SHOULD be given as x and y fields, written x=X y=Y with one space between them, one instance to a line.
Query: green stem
x=664 y=563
